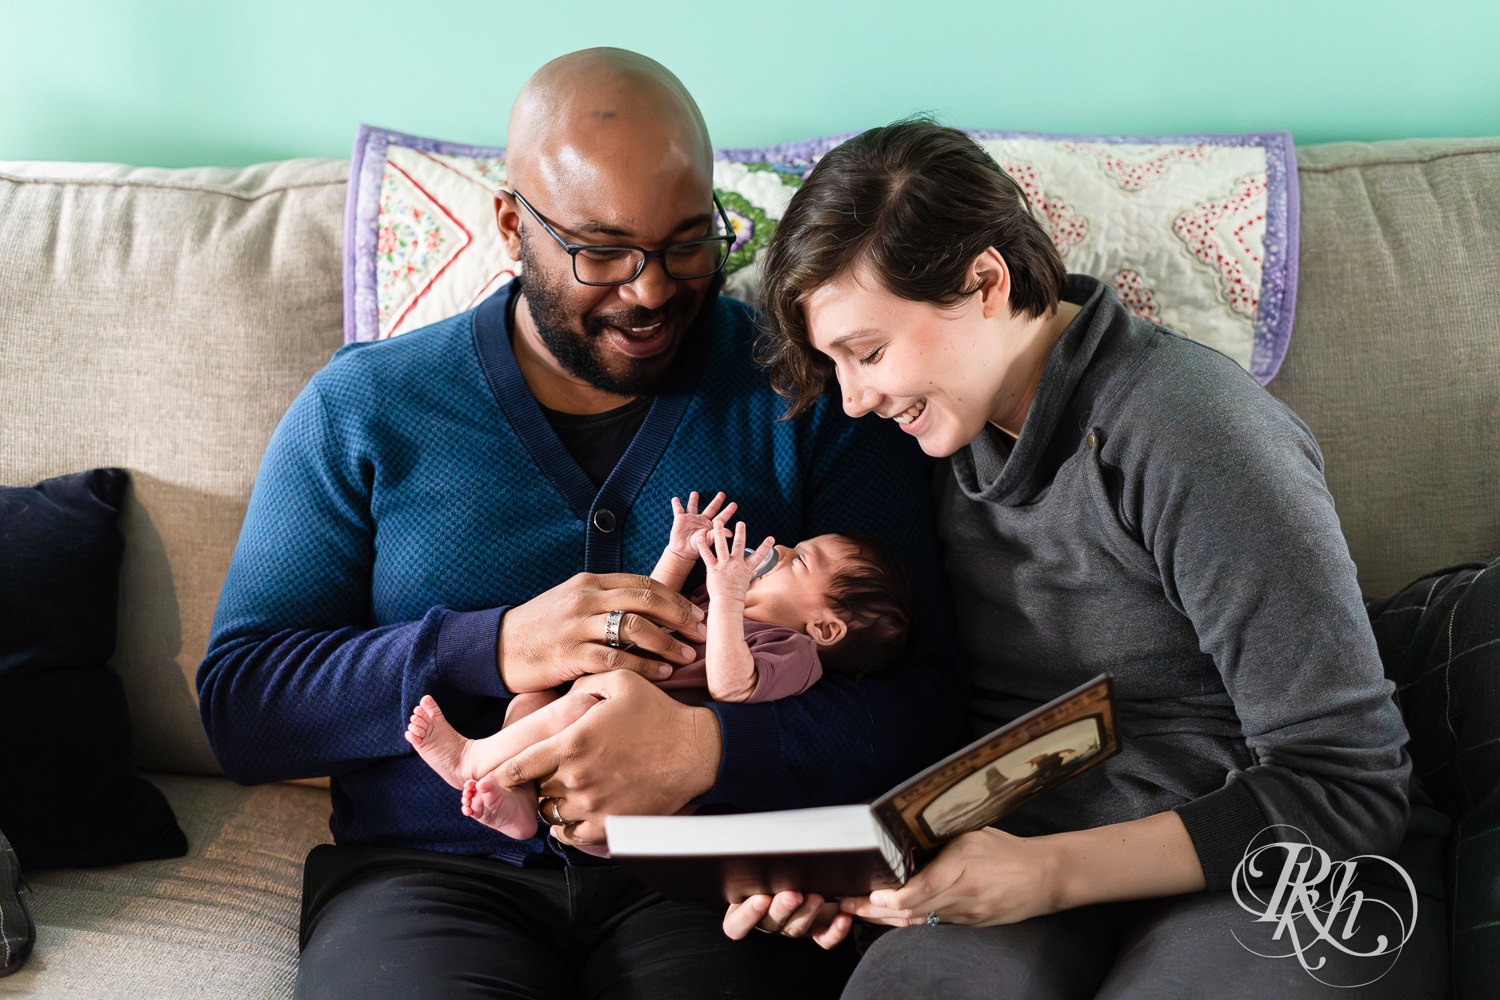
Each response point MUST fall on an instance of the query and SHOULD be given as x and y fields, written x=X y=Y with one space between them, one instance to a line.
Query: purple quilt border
x=1278 y=292
x=362 y=210
x=808 y=150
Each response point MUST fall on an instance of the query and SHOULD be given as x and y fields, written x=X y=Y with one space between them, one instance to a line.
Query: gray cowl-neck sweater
x=1163 y=518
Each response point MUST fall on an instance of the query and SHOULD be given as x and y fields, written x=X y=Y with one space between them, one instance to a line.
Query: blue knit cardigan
x=414 y=491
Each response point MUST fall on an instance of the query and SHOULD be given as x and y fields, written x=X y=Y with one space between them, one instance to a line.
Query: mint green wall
x=179 y=83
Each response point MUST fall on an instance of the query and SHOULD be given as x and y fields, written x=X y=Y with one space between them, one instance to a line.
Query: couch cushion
x=161 y=321
x=220 y=923
x=1395 y=355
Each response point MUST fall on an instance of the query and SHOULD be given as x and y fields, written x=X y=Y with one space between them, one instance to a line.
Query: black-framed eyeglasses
x=620 y=265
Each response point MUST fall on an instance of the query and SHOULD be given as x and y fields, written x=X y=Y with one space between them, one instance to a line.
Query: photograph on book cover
x=1014 y=767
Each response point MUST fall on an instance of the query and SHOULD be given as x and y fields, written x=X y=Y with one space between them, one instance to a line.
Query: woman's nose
x=858 y=399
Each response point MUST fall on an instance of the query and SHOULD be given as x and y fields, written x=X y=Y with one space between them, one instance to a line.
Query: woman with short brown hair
x=1117 y=498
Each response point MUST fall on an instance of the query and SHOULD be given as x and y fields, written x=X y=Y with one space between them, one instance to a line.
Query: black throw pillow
x=68 y=791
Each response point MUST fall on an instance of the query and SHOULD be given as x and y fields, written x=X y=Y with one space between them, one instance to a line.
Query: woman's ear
x=827 y=628
x=991 y=274
x=508 y=220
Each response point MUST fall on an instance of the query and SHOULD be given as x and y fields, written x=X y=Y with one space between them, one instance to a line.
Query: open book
x=850 y=850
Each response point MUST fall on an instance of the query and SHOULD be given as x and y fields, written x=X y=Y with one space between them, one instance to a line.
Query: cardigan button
x=604 y=520
x=1089 y=441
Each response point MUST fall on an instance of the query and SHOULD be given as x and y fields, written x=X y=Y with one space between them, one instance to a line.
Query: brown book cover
x=850 y=850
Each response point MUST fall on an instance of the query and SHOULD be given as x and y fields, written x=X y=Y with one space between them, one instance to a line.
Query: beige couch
x=161 y=320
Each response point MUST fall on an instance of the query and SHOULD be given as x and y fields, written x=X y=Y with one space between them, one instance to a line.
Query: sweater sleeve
x=844 y=740
x=1240 y=524
x=293 y=635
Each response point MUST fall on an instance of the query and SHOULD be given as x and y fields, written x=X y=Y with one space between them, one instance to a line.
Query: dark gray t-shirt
x=1165 y=519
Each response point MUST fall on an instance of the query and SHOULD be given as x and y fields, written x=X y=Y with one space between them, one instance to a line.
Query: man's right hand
x=560 y=635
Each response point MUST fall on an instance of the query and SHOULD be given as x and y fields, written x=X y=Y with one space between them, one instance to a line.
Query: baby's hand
x=688 y=524
x=729 y=571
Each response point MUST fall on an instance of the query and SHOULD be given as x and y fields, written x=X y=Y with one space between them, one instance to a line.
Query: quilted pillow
x=71 y=796
x=1197 y=232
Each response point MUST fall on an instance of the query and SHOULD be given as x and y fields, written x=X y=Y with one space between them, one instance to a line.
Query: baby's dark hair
x=872 y=593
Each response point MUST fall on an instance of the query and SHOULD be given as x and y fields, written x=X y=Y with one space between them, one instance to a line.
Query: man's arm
x=300 y=679
x=297 y=680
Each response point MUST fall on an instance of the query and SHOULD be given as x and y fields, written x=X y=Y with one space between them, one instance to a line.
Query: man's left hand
x=638 y=751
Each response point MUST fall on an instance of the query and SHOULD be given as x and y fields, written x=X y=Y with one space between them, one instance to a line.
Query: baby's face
x=797 y=587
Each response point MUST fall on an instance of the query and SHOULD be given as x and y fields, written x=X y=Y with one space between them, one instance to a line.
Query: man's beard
x=581 y=353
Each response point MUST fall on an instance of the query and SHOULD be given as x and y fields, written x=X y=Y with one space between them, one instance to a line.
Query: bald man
x=470 y=511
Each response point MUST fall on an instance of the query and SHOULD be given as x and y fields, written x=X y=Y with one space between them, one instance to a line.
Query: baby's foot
x=436 y=742
x=512 y=811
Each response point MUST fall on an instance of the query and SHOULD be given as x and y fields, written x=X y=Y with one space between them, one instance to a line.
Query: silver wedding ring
x=555 y=818
x=612 y=628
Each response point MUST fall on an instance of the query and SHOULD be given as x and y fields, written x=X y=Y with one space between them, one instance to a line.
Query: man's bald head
x=609 y=151
x=601 y=106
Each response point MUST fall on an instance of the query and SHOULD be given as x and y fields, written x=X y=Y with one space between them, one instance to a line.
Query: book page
x=823 y=828
x=833 y=850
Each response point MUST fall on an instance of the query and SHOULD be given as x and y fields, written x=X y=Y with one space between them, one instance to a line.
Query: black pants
x=380 y=922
